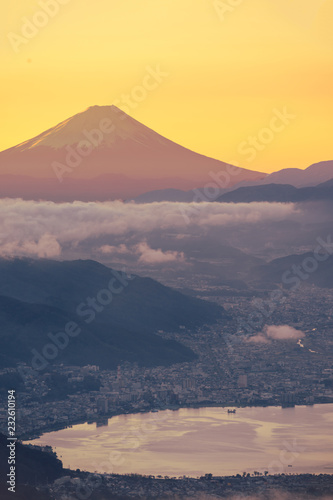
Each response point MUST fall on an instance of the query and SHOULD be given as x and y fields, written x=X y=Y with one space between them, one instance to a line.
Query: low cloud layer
x=46 y=229
x=281 y=332
x=144 y=252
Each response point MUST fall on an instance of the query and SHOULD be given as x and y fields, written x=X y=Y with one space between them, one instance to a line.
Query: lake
x=193 y=442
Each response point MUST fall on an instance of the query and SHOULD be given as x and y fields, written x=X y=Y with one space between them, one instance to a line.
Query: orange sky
x=227 y=72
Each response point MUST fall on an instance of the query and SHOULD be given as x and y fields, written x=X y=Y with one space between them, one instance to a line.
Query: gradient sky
x=226 y=76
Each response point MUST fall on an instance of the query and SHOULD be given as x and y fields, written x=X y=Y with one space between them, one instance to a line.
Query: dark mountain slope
x=142 y=302
x=41 y=297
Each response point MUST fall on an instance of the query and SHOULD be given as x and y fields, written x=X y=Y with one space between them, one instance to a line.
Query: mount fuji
x=100 y=154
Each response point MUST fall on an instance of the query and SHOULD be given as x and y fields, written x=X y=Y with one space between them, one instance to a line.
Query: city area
x=235 y=366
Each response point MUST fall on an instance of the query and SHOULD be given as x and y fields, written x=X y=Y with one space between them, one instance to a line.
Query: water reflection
x=197 y=441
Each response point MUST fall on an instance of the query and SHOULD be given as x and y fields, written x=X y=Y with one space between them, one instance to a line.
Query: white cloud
x=144 y=253
x=111 y=249
x=46 y=247
x=150 y=256
x=272 y=332
x=283 y=332
x=45 y=228
x=259 y=339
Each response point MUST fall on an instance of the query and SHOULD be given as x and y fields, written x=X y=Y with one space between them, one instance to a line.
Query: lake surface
x=197 y=441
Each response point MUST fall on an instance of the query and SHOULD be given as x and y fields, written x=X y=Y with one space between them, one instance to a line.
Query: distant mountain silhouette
x=118 y=146
x=312 y=176
x=327 y=184
x=271 y=192
x=274 y=271
x=267 y=189
x=42 y=296
x=283 y=193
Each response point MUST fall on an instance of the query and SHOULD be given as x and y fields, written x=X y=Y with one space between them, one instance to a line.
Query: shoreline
x=58 y=427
